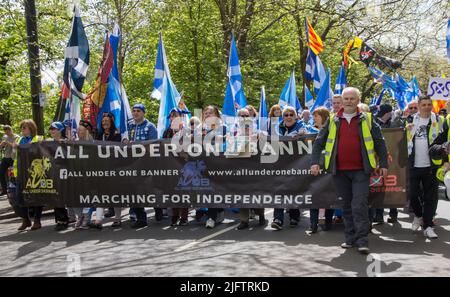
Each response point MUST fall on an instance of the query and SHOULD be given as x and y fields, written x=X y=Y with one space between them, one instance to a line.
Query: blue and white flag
x=235 y=76
x=263 y=113
x=288 y=96
x=325 y=96
x=341 y=81
x=448 y=40
x=164 y=89
x=113 y=102
x=309 y=99
x=376 y=100
x=416 y=89
x=310 y=65
x=76 y=57
x=319 y=76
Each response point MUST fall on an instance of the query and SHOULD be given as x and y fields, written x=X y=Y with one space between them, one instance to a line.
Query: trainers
x=174 y=221
x=293 y=223
x=138 y=225
x=378 y=220
x=429 y=233
x=277 y=225
x=363 y=250
x=183 y=222
x=242 y=225
x=210 y=223
x=392 y=220
x=416 y=224
x=116 y=224
x=78 y=223
x=346 y=245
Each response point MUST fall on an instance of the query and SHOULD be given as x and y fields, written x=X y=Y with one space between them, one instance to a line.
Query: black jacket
x=379 y=145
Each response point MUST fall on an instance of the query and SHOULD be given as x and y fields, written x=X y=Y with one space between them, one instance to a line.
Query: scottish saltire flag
x=263 y=113
x=113 y=102
x=373 y=100
x=164 y=89
x=309 y=99
x=325 y=96
x=341 y=81
x=448 y=40
x=405 y=91
x=229 y=111
x=310 y=65
x=76 y=57
x=312 y=38
x=378 y=99
x=235 y=77
x=289 y=95
x=72 y=114
x=416 y=89
x=319 y=75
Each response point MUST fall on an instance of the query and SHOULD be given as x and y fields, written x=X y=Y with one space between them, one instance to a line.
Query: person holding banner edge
x=350 y=139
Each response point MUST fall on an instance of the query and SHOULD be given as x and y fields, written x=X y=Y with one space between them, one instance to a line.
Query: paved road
x=160 y=250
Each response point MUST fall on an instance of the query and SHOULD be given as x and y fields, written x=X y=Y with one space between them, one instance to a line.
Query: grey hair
x=356 y=90
x=289 y=108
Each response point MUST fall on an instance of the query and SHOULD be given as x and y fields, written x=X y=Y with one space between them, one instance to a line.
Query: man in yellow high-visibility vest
x=350 y=139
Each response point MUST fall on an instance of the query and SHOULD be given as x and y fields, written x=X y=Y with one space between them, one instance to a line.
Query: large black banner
x=154 y=174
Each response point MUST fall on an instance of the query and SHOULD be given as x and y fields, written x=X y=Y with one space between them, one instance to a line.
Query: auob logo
x=389 y=183
x=38 y=180
x=192 y=177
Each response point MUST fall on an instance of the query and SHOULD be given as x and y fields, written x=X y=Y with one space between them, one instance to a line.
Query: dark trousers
x=212 y=213
x=180 y=213
x=61 y=215
x=4 y=165
x=314 y=216
x=294 y=214
x=353 y=187
x=24 y=212
x=393 y=213
x=141 y=215
x=425 y=207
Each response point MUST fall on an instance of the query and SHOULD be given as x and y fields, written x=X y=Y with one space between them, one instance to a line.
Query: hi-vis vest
x=18 y=140
x=435 y=129
x=366 y=126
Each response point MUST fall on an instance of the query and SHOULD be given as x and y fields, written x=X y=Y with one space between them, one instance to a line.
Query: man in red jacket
x=350 y=139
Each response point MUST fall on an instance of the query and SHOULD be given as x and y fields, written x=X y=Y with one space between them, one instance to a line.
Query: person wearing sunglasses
x=291 y=125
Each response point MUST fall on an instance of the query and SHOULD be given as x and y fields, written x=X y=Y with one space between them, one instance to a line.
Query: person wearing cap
x=58 y=133
x=7 y=161
x=141 y=129
x=384 y=116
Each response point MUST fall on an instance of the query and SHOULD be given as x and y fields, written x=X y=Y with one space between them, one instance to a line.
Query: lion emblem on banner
x=191 y=174
x=38 y=172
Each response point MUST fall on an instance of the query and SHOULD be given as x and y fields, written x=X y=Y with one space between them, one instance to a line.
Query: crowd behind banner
x=427 y=135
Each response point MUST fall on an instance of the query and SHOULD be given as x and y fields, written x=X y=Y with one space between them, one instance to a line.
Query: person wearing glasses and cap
x=141 y=129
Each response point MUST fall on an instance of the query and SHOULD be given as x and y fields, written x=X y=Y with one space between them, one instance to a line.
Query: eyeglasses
x=413 y=107
x=288 y=115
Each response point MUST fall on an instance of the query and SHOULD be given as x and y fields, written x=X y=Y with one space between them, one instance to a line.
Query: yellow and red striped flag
x=313 y=39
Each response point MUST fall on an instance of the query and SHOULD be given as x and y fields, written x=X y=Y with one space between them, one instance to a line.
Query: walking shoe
x=363 y=250
x=174 y=221
x=210 y=223
x=416 y=224
x=242 y=225
x=138 y=225
x=110 y=213
x=79 y=222
x=183 y=222
x=392 y=220
x=346 y=245
x=25 y=224
x=61 y=226
x=277 y=225
x=429 y=233
x=116 y=224
x=293 y=223
x=313 y=229
x=36 y=225
x=378 y=220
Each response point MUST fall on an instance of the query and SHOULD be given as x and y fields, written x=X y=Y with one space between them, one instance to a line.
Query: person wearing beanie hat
x=141 y=129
